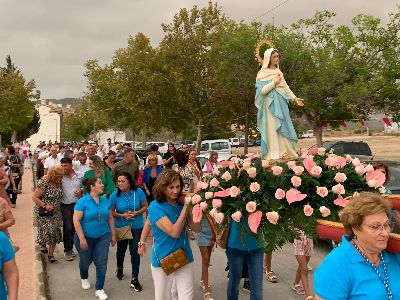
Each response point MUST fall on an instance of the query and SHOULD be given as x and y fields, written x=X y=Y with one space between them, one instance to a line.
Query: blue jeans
x=236 y=259
x=98 y=253
x=133 y=248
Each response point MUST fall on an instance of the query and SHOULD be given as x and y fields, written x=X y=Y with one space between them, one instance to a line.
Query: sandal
x=203 y=286
x=298 y=288
x=43 y=249
x=271 y=276
x=207 y=295
x=52 y=259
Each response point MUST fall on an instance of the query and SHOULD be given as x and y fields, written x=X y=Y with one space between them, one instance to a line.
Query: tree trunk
x=318 y=134
x=14 y=137
x=144 y=137
x=199 y=136
x=246 y=130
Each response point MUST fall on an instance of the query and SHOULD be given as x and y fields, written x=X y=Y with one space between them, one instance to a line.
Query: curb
x=42 y=283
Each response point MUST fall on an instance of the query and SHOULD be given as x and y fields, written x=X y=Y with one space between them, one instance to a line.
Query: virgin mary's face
x=274 y=61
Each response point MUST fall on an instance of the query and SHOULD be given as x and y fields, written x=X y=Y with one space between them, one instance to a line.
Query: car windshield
x=219 y=146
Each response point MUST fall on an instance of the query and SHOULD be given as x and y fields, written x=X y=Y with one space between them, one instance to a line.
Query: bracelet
x=141 y=244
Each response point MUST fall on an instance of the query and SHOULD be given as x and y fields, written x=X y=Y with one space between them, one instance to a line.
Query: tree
x=190 y=95
x=17 y=112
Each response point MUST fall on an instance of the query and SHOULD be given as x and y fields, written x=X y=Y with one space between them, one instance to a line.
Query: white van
x=235 y=142
x=222 y=147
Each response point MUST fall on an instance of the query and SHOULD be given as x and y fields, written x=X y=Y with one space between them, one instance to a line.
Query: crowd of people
x=117 y=198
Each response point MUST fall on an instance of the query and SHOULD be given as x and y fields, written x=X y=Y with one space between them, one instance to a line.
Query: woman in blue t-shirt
x=168 y=218
x=8 y=270
x=94 y=226
x=128 y=204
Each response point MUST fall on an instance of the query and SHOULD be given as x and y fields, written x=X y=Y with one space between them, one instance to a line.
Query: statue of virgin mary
x=278 y=137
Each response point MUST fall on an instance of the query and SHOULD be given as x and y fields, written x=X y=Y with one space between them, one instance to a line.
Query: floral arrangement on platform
x=273 y=200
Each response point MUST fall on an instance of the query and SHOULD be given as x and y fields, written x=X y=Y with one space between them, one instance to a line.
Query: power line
x=272 y=9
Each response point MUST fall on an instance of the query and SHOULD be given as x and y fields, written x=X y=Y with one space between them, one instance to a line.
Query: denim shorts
x=205 y=236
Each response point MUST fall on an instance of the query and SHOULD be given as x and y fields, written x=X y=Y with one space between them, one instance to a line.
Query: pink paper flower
x=298 y=170
x=208 y=195
x=322 y=191
x=340 y=177
x=197 y=213
x=348 y=158
x=234 y=191
x=252 y=172
x=378 y=176
x=308 y=210
x=250 y=155
x=226 y=176
x=203 y=205
x=219 y=217
x=325 y=212
x=196 y=198
x=251 y=206
x=277 y=170
x=254 y=187
x=223 y=164
x=223 y=193
x=373 y=183
x=296 y=181
x=304 y=152
x=294 y=195
x=247 y=159
x=265 y=163
x=356 y=162
x=360 y=170
x=338 y=189
x=254 y=221
x=214 y=182
x=216 y=172
x=321 y=151
x=316 y=171
x=236 y=216
x=369 y=168
x=231 y=165
x=280 y=194
x=291 y=164
x=308 y=163
x=331 y=160
x=216 y=203
x=341 y=202
x=213 y=212
x=272 y=217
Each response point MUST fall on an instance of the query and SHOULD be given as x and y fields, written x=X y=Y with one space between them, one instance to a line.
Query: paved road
x=65 y=281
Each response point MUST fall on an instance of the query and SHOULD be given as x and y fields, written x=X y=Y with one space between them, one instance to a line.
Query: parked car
x=306 y=134
x=220 y=146
x=235 y=142
x=257 y=143
x=358 y=149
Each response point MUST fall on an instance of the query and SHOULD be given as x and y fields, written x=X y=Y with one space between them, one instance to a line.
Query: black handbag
x=45 y=213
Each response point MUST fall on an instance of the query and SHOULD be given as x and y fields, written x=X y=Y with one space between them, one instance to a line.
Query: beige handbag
x=223 y=235
x=124 y=233
x=174 y=261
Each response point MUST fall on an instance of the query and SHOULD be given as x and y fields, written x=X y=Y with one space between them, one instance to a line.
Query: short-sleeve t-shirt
x=133 y=202
x=164 y=244
x=6 y=254
x=91 y=225
x=234 y=241
x=351 y=277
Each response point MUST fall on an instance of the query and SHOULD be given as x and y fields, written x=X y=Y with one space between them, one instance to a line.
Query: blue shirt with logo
x=344 y=274
x=164 y=244
x=6 y=254
x=131 y=201
x=91 y=225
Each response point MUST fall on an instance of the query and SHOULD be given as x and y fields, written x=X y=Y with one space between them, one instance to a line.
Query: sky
x=50 y=40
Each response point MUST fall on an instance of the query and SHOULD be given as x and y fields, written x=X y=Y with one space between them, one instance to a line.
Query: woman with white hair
x=278 y=137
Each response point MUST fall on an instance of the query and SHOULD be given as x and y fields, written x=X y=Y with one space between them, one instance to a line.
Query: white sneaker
x=85 y=284
x=101 y=295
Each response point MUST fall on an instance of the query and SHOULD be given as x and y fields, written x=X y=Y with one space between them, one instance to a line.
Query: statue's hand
x=277 y=79
x=299 y=101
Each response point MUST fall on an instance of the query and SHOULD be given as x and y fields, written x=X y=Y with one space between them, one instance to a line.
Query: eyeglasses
x=377 y=228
